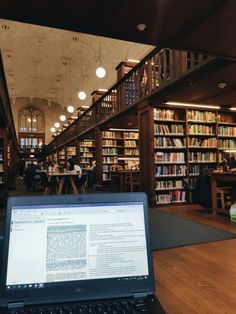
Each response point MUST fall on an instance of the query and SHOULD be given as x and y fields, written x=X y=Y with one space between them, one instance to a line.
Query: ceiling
x=53 y=64
x=199 y=25
x=203 y=26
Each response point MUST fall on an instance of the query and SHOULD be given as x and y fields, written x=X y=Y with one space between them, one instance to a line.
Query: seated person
x=92 y=173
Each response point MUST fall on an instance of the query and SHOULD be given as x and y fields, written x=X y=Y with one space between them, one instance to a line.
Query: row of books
x=171 y=197
x=194 y=169
x=130 y=143
x=131 y=152
x=84 y=160
x=170 y=170
x=229 y=143
x=133 y=135
x=227 y=131
x=88 y=154
x=109 y=142
x=168 y=129
x=85 y=149
x=201 y=129
x=107 y=168
x=198 y=142
x=87 y=143
x=202 y=156
x=109 y=160
x=175 y=184
x=169 y=157
x=110 y=151
x=204 y=116
x=163 y=114
x=168 y=142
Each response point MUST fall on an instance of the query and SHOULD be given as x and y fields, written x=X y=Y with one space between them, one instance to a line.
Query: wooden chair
x=223 y=199
x=132 y=180
x=82 y=183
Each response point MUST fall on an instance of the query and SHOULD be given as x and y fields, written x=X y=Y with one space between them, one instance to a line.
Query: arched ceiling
x=53 y=64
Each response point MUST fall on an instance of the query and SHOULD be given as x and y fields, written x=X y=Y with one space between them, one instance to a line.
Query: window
x=31 y=127
x=31 y=119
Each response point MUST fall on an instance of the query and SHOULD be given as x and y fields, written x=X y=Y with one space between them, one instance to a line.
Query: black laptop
x=85 y=253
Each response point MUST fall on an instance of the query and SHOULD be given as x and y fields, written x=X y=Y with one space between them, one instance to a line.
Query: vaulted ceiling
x=54 y=64
x=203 y=26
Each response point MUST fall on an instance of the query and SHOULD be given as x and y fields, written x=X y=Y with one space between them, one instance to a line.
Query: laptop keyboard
x=118 y=307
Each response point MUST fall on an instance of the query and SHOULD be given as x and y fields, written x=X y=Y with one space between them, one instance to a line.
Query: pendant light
x=81 y=94
x=57 y=124
x=62 y=117
x=70 y=108
x=100 y=71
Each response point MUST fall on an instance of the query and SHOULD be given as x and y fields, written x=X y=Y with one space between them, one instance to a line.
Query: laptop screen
x=60 y=248
x=57 y=243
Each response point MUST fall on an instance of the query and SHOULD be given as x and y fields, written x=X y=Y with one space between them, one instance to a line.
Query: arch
x=31 y=119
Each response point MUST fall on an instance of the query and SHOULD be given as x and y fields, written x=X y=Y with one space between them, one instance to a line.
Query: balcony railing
x=156 y=70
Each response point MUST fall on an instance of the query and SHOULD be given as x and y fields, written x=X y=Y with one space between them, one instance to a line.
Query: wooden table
x=60 y=176
x=216 y=178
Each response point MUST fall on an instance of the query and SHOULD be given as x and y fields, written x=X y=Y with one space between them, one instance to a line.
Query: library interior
x=130 y=97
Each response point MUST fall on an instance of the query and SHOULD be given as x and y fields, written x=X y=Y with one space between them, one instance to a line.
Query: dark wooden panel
x=146 y=151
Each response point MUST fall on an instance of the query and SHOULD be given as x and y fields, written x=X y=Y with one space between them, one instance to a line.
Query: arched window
x=31 y=119
x=31 y=127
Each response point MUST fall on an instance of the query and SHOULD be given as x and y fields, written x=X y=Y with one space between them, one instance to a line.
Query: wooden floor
x=199 y=278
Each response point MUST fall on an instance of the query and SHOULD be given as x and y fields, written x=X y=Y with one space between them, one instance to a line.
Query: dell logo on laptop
x=79 y=290
x=80 y=199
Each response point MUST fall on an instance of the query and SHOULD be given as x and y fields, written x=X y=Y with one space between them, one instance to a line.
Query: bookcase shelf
x=120 y=149
x=87 y=149
x=186 y=142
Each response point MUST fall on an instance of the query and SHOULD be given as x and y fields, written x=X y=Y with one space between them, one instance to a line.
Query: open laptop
x=79 y=254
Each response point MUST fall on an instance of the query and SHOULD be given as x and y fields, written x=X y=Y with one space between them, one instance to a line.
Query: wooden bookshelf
x=119 y=148
x=170 y=152
x=87 y=151
x=187 y=142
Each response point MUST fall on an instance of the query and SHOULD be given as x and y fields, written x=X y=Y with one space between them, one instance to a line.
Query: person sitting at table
x=92 y=173
x=80 y=179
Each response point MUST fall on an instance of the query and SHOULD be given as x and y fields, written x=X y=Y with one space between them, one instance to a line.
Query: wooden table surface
x=197 y=279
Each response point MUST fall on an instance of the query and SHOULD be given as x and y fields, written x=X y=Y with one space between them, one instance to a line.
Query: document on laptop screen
x=76 y=242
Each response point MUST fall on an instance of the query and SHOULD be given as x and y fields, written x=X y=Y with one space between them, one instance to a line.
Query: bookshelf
x=170 y=153
x=202 y=144
x=112 y=146
x=119 y=148
x=70 y=152
x=187 y=142
x=87 y=150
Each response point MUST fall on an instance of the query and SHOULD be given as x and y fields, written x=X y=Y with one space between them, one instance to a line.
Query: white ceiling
x=37 y=61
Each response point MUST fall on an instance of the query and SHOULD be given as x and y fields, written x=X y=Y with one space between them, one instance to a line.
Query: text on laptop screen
x=57 y=243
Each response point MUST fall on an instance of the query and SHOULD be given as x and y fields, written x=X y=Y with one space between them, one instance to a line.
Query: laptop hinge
x=140 y=294
x=15 y=305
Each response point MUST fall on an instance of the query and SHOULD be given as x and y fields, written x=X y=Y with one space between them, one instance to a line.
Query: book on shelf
x=165 y=142
x=170 y=170
x=169 y=157
x=164 y=129
x=170 y=184
x=202 y=116
x=171 y=197
x=163 y=114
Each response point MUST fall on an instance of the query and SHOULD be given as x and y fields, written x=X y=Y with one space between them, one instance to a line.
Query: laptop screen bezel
x=71 y=290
